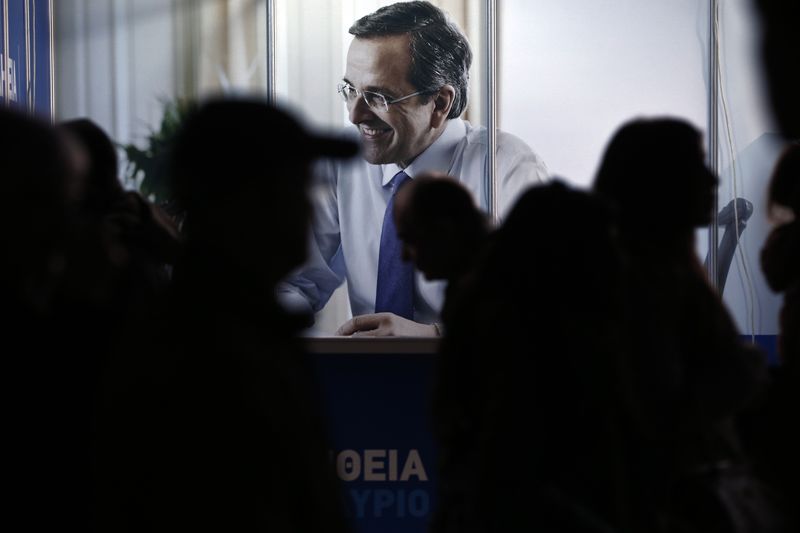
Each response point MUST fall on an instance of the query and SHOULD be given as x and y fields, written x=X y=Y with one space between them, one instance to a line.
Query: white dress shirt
x=349 y=204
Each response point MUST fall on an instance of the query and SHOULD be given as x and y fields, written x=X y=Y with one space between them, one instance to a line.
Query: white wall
x=572 y=72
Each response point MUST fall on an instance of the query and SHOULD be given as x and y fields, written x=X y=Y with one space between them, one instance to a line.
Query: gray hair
x=440 y=53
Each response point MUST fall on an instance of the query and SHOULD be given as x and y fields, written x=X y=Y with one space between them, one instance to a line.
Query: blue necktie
x=395 y=290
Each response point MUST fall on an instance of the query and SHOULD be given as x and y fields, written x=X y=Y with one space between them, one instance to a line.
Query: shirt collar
x=435 y=158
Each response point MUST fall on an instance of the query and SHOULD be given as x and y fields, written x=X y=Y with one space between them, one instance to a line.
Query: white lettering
x=348 y=465
x=413 y=467
x=373 y=467
x=392 y=465
x=379 y=465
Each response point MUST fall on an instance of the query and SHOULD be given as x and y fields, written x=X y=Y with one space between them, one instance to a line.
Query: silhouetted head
x=35 y=218
x=784 y=186
x=654 y=172
x=241 y=172
x=94 y=159
x=553 y=271
x=407 y=72
x=780 y=49
x=441 y=227
x=554 y=232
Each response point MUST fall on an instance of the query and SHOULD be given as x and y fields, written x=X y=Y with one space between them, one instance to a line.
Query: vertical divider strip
x=713 y=136
x=491 y=114
x=271 y=96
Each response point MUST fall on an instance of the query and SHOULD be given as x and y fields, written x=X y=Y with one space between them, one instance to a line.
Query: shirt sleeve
x=310 y=286
x=518 y=167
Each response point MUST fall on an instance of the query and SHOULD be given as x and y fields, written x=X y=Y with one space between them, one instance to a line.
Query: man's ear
x=442 y=103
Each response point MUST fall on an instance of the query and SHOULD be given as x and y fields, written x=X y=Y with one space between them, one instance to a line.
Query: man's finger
x=369 y=333
x=345 y=329
x=359 y=323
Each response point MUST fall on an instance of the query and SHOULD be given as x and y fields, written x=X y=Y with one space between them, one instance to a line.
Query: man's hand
x=385 y=325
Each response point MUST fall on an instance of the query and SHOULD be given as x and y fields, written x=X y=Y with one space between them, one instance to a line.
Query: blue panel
x=17 y=54
x=768 y=344
x=378 y=412
x=41 y=59
x=2 y=54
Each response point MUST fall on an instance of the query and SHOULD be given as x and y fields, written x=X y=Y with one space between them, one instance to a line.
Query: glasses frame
x=343 y=87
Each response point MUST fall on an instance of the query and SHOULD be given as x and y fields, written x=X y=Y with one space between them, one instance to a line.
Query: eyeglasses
x=376 y=101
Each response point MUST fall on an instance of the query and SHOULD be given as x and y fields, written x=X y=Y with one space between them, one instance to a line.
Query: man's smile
x=371 y=133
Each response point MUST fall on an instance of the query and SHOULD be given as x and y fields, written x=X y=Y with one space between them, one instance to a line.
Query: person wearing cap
x=211 y=422
x=405 y=87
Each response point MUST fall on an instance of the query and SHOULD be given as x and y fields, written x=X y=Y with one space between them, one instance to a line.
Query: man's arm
x=310 y=286
x=518 y=167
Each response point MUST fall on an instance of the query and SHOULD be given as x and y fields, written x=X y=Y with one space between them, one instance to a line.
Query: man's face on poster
x=401 y=132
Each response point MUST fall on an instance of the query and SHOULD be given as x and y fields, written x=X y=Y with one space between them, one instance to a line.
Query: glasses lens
x=376 y=101
x=347 y=91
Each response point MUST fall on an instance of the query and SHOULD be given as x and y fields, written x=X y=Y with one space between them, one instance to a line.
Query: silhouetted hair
x=584 y=223
x=440 y=53
x=437 y=200
x=650 y=174
x=784 y=186
x=103 y=187
x=230 y=144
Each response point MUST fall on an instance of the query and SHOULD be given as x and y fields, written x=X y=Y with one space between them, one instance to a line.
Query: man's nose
x=359 y=111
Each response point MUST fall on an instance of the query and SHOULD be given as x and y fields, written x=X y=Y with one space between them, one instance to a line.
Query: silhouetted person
x=689 y=372
x=116 y=268
x=114 y=271
x=441 y=227
x=35 y=224
x=94 y=159
x=442 y=232
x=218 y=419
x=47 y=469
x=779 y=446
x=780 y=258
x=126 y=219
x=780 y=51
x=525 y=408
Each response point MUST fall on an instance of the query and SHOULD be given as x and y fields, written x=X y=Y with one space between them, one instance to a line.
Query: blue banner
x=378 y=412
x=768 y=344
x=17 y=55
x=2 y=52
x=26 y=62
x=41 y=57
